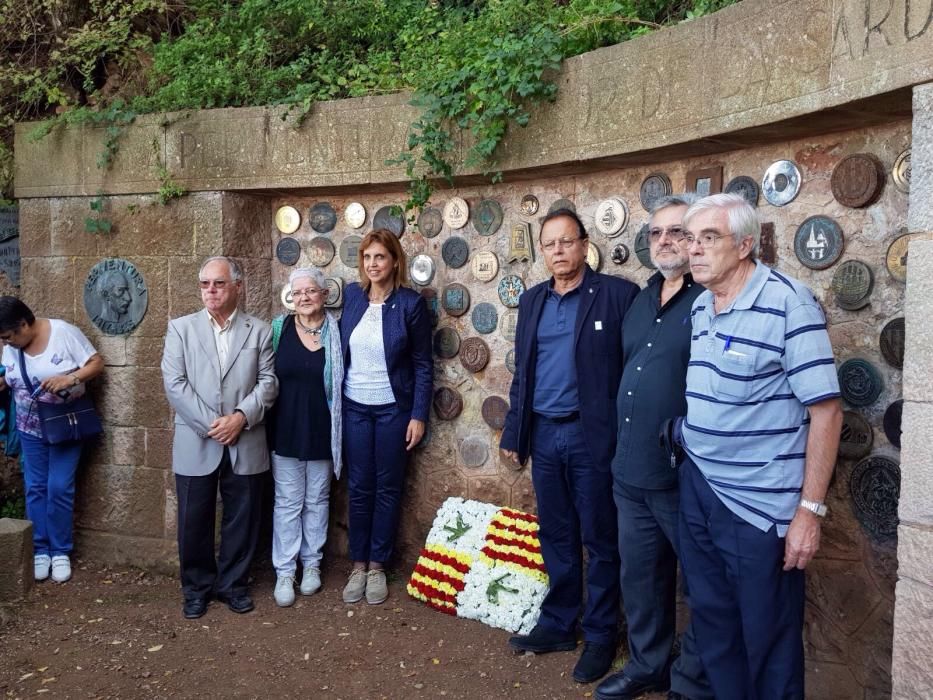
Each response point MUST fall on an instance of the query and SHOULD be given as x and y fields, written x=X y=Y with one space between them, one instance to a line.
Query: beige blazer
x=199 y=393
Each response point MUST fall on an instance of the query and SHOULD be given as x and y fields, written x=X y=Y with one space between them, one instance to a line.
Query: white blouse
x=367 y=379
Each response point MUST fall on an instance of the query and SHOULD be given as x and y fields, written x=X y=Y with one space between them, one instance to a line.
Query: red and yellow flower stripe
x=512 y=538
x=438 y=577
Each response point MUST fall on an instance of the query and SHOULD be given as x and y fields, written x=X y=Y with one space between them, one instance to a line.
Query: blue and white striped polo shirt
x=754 y=368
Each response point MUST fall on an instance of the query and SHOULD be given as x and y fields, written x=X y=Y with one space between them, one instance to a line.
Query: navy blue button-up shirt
x=555 y=381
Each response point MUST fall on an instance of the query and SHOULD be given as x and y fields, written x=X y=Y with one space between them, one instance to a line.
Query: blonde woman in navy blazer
x=385 y=333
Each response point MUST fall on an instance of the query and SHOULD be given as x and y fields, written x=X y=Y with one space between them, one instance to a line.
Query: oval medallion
x=529 y=205
x=323 y=217
x=611 y=217
x=455 y=252
x=818 y=242
x=430 y=222
x=429 y=294
x=511 y=288
x=859 y=382
x=892 y=422
x=474 y=354
x=896 y=258
x=422 y=269
x=321 y=251
x=643 y=248
x=115 y=297
x=447 y=403
x=446 y=343
x=456 y=212
x=852 y=285
x=285 y=296
x=287 y=251
x=485 y=265
x=456 y=299
x=350 y=250
x=891 y=341
x=487 y=217
x=495 y=409
x=593 y=257
x=355 y=215
x=474 y=451
x=875 y=487
x=746 y=187
x=653 y=187
x=562 y=204
x=392 y=218
x=619 y=254
x=485 y=318
x=287 y=219
x=334 y=292
x=510 y=360
x=508 y=322
x=781 y=182
x=856 y=437
x=857 y=180
x=900 y=173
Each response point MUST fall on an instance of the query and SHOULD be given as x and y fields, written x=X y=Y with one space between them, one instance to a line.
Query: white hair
x=236 y=273
x=311 y=273
x=742 y=216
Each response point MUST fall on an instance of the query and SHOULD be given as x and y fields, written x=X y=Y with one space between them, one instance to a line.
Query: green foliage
x=97 y=223
x=168 y=188
x=13 y=507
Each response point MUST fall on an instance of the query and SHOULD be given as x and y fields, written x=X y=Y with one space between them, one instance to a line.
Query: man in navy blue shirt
x=568 y=362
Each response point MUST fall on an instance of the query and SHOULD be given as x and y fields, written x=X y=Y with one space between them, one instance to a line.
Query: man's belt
x=569 y=418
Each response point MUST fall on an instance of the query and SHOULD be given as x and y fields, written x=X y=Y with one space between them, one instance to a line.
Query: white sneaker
x=310 y=581
x=284 y=593
x=42 y=563
x=61 y=568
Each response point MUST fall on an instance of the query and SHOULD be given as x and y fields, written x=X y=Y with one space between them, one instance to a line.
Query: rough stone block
x=912 y=672
x=916 y=464
x=831 y=681
x=159 y=448
x=49 y=285
x=124 y=500
x=918 y=361
x=35 y=225
x=133 y=396
x=16 y=577
x=915 y=554
x=257 y=296
x=247 y=224
x=920 y=213
x=68 y=234
x=127 y=445
x=184 y=297
x=112 y=348
x=144 y=351
x=151 y=553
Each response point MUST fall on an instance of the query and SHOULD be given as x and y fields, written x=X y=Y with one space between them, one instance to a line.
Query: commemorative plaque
x=892 y=422
x=562 y=204
x=429 y=294
x=474 y=354
x=891 y=341
x=350 y=250
x=611 y=217
x=510 y=360
x=474 y=451
x=115 y=296
x=485 y=318
x=287 y=219
x=856 y=437
x=323 y=217
x=529 y=205
x=508 y=322
x=705 y=181
x=781 y=183
x=455 y=252
x=746 y=187
x=859 y=382
x=430 y=222
x=485 y=266
x=422 y=270
x=818 y=242
x=495 y=409
x=446 y=343
x=447 y=403
x=619 y=254
x=653 y=187
x=900 y=173
x=390 y=217
x=487 y=217
x=643 y=248
x=857 y=180
x=593 y=257
x=510 y=289
x=321 y=251
x=520 y=243
x=456 y=212
x=355 y=215
x=896 y=258
x=334 y=292
x=285 y=296
x=875 y=488
x=767 y=247
x=287 y=251
x=852 y=285
x=456 y=299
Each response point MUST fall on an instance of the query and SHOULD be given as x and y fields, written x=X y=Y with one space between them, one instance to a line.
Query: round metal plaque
x=511 y=288
x=900 y=173
x=474 y=451
x=781 y=183
x=355 y=215
x=818 y=242
x=859 y=382
x=508 y=322
x=891 y=341
x=485 y=318
x=350 y=250
x=455 y=252
x=653 y=187
x=562 y=204
x=896 y=258
x=287 y=251
x=323 y=217
x=510 y=360
x=384 y=218
x=485 y=266
x=430 y=222
x=474 y=354
x=875 y=488
x=456 y=212
x=334 y=292
x=287 y=219
x=852 y=285
x=447 y=403
x=422 y=269
x=529 y=205
x=487 y=217
x=857 y=180
x=745 y=186
x=495 y=409
x=593 y=257
x=892 y=422
x=611 y=217
x=429 y=294
x=856 y=437
x=115 y=296
x=321 y=251
x=285 y=296
x=446 y=343
x=456 y=299
x=643 y=248
x=619 y=254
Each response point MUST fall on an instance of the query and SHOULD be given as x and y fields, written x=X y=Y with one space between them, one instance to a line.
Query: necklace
x=311 y=331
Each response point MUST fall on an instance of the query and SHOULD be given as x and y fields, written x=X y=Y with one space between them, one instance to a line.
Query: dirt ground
x=120 y=634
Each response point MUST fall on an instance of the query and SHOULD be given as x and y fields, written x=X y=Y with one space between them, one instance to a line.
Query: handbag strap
x=22 y=370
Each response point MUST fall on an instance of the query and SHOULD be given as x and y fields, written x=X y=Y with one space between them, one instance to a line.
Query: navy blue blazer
x=406 y=337
x=597 y=362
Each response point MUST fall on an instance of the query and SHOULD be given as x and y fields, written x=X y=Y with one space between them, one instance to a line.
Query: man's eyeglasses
x=706 y=240
x=560 y=242
x=216 y=284
x=676 y=233
x=297 y=293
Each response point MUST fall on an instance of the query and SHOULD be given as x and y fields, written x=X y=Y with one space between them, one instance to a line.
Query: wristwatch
x=816 y=507
x=74 y=379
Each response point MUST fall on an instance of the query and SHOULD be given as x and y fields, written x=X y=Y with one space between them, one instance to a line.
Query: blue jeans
x=49 y=473
x=299 y=519
x=376 y=458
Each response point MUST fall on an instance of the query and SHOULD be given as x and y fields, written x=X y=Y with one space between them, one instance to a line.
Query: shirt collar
x=748 y=295
x=217 y=327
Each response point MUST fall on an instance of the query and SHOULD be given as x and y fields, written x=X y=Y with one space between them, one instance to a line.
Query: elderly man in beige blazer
x=219 y=376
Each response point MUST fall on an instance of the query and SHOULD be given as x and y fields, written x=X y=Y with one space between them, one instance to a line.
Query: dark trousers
x=648 y=545
x=49 y=475
x=747 y=611
x=228 y=575
x=575 y=507
x=376 y=458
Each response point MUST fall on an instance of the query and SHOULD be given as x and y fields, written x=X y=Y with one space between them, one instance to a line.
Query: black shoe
x=237 y=603
x=594 y=663
x=541 y=641
x=194 y=608
x=620 y=687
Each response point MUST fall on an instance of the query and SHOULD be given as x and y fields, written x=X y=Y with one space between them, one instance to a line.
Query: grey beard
x=669 y=270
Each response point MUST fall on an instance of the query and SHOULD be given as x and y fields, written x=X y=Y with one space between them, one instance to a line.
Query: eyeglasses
x=706 y=240
x=216 y=284
x=561 y=243
x=676 y=233
x=297 y=293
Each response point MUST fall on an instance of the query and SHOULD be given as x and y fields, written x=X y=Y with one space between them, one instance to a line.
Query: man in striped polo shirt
x=760 y=436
